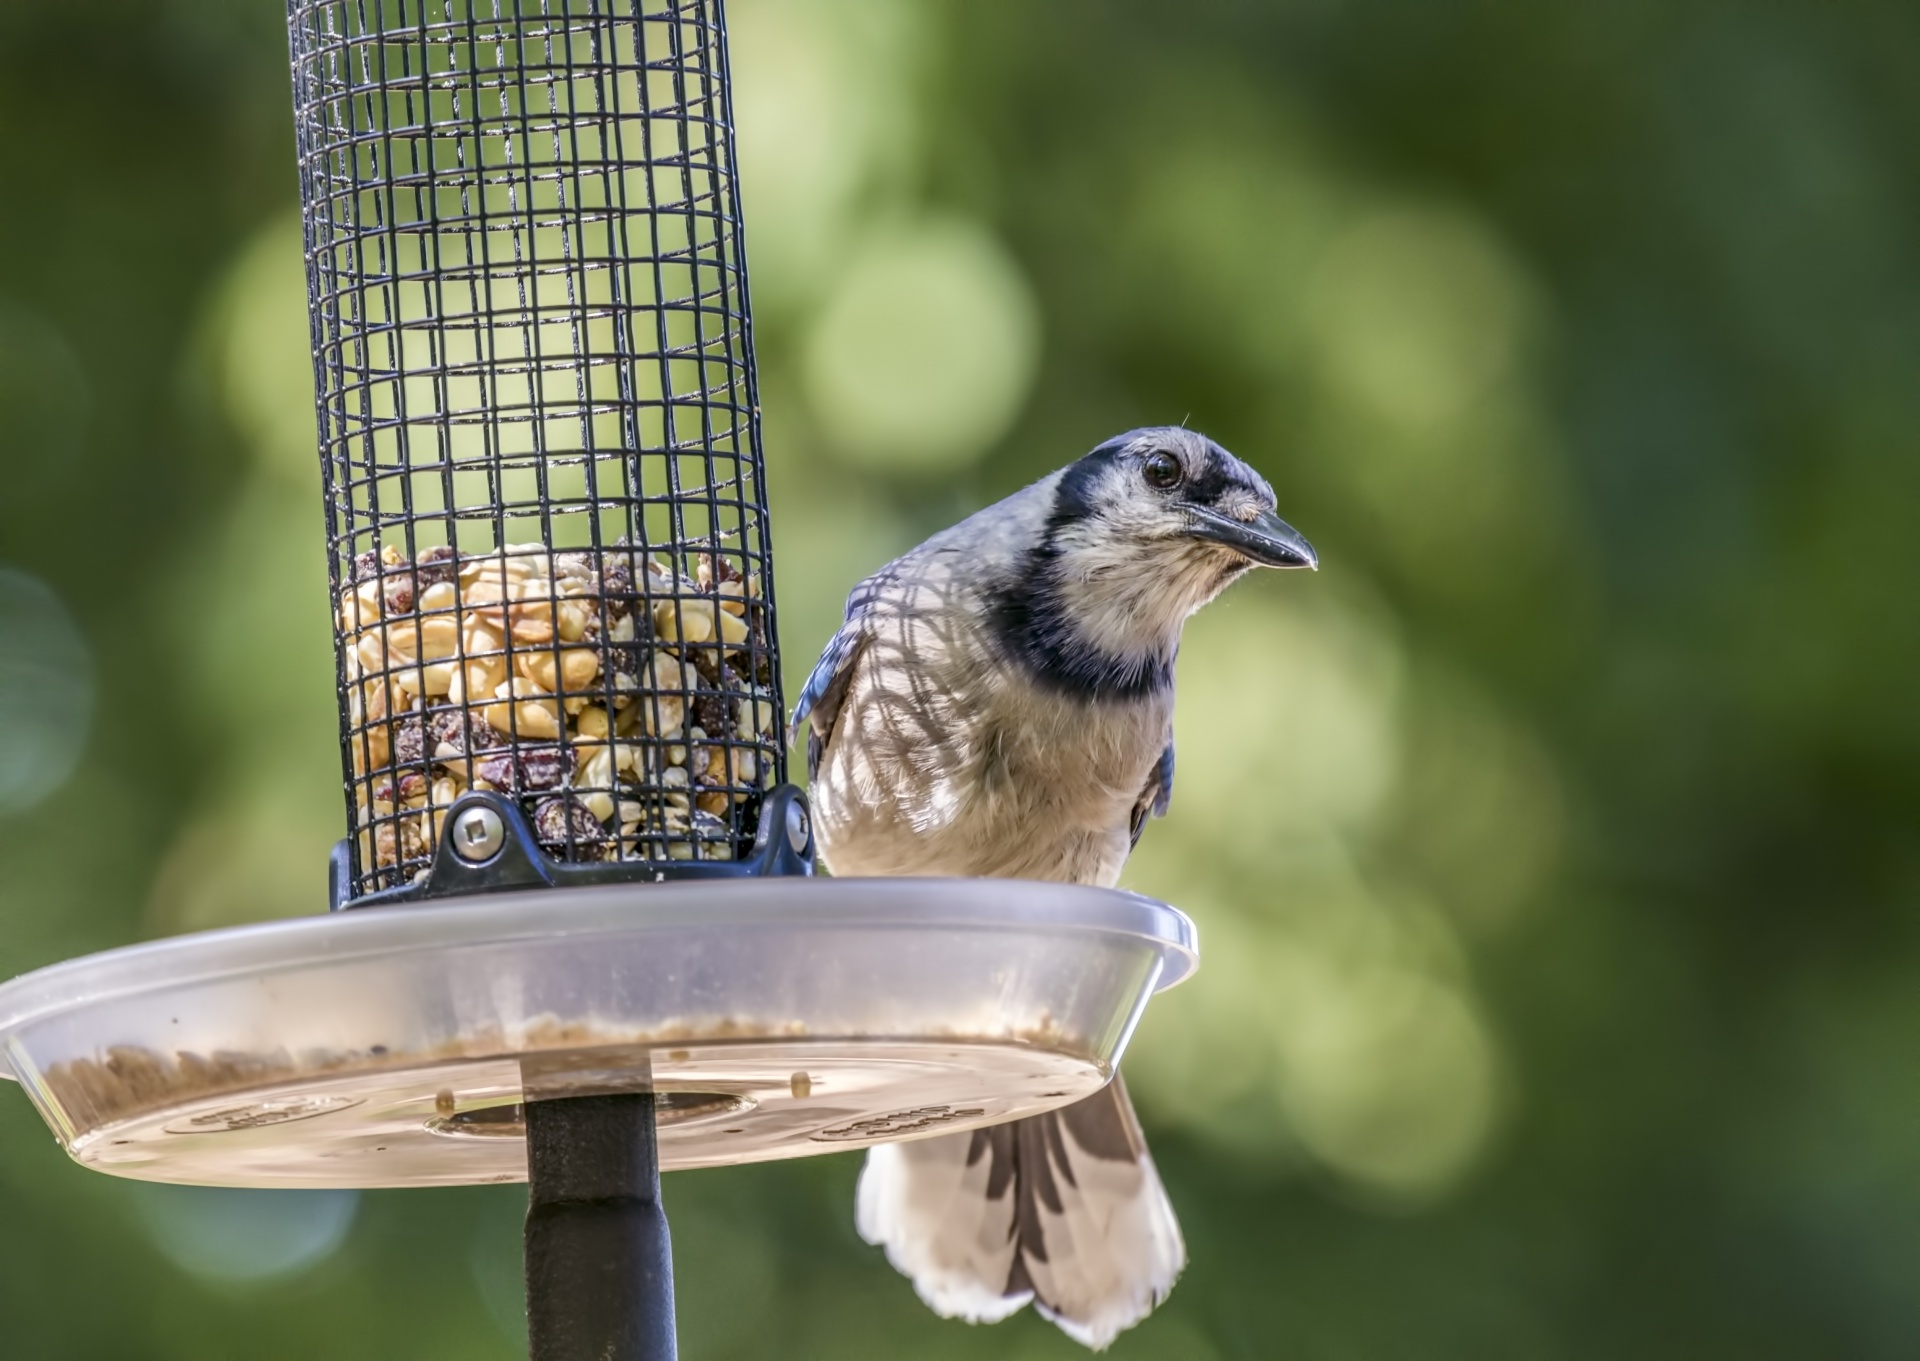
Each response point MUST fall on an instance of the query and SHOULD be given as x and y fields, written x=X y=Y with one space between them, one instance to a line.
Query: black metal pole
x=599 y=1262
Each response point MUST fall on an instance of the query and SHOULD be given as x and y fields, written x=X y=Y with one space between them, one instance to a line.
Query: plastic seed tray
x=773 y=1019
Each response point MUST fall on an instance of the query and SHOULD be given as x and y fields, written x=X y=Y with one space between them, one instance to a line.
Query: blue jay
x=999 y=702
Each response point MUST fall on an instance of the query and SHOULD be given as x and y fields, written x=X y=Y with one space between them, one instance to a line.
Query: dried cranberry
x=463 y=731
x=398 y=595
x=437 y=564
x=617 y=589
x=546 y=767
x=409 y=741
x=527 y=768
x=554 y=817
x=718 y=712
x=705 y=659
x=449 y=729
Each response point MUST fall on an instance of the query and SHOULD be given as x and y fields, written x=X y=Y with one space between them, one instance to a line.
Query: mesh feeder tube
x=545 y=513
x=545 y=509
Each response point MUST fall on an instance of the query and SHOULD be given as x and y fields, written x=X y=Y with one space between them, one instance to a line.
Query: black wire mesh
x=539 y=437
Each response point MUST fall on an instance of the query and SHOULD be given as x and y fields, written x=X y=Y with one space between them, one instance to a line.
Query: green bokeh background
x=1554 y=847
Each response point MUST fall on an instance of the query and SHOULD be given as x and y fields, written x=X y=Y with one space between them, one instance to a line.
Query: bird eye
x=1162 y=470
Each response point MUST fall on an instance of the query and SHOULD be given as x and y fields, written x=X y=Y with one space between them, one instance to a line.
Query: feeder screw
x=478 y=835
x=797 y=827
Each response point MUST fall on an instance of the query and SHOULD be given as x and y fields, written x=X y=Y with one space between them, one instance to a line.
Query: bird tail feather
x=1063 y=1209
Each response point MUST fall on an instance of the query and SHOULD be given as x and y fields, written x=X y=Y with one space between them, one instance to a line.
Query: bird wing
x=820 y=697
x=1157 y=796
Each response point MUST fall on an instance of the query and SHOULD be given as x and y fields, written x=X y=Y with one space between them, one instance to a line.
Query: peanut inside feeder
x=624 y=701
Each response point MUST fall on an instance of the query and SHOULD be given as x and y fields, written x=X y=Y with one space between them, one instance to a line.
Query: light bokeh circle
x=46 y=691
x=227 y=1234
x=926 y=350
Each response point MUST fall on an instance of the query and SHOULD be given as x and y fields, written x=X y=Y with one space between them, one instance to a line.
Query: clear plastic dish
x=774 y=1018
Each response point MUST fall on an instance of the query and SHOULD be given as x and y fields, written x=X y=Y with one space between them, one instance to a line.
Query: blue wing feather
x=840 y=650
x=819 y=702
x=1157 y=797
x=820 y=698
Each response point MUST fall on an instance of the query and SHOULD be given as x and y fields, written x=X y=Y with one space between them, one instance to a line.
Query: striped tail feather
x=1063 y=1209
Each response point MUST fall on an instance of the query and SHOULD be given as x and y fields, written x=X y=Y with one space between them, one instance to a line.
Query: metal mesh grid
x=538 y=428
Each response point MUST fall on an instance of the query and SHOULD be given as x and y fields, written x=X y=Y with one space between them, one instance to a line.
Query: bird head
x=1152 y=525
x=1175 y=495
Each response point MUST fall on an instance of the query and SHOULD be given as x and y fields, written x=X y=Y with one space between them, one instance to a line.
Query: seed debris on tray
x=626 y=706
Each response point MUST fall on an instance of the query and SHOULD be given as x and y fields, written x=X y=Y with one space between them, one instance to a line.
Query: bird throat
x=1098 y=635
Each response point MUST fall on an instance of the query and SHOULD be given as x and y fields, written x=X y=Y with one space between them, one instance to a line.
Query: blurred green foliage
x=1554 y=848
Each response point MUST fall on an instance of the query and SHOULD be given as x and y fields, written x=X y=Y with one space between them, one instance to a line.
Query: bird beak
x=1267 y=539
